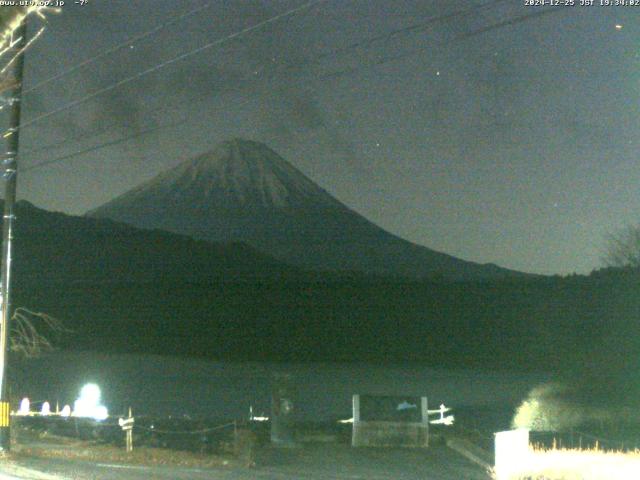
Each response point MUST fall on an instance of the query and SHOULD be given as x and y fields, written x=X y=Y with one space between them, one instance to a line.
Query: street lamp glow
x=88 y=404
x=25 y=407
x=100 y=413
x=90 y=393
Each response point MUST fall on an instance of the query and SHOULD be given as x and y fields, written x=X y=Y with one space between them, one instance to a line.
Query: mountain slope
x=244 y=191
x=54 y=247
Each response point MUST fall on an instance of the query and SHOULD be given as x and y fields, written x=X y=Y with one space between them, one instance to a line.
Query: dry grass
x=576 y=464
x=140 y=456
x=64 y=448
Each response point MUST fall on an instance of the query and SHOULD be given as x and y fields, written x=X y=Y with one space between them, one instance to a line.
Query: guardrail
x=202 y=435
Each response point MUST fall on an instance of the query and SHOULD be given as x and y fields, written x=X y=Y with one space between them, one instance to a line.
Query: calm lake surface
x=156 y=385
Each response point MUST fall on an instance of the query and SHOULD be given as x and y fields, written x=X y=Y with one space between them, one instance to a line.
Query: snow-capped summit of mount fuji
x=237 y=174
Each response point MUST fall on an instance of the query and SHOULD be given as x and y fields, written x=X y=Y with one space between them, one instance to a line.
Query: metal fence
x=195 y=435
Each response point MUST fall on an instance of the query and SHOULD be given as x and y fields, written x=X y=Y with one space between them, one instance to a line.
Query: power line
x=63 y=141
x=416 y=27
x=100 y=146
x=109 y=128
x=116 y=48
x=188 y=119
x=382 y=61
x=512 y=21
x=126 y=138
x=363 y=42
x=166 y=63
x=410 y=29
x=120 y=140
x=117 y=123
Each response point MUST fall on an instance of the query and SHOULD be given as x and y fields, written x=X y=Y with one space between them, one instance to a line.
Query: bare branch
x=623 y=248
x=31 y=332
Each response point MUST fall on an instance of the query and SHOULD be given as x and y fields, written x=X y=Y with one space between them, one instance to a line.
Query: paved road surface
x=316 y=462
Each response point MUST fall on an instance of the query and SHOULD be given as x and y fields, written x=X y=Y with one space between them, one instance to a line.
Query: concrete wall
x=377 y=433
x=390 y=434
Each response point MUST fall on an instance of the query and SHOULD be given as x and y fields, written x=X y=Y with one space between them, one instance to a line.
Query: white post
x=130 y=435
x=512 y=453
x=356 y=420
x=425 y=416
x=356 y=409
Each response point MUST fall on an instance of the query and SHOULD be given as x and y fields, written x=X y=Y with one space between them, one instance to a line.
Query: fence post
x=130 y=435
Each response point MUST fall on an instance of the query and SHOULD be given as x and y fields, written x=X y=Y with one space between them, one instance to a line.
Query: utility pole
x=10 y=173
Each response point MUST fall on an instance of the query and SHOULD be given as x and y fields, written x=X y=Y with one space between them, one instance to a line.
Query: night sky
x=470 y=130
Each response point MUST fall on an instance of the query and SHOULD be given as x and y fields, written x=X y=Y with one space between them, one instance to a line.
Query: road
x=312 y=462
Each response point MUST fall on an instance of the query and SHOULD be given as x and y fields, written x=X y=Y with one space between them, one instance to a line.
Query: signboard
x=126 y=423
x=390 y=409
x=390 y=421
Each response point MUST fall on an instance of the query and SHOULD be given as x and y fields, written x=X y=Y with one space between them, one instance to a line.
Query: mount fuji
x=244 y=191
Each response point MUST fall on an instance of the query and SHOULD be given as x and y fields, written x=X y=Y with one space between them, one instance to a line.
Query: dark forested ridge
x=54 y=247
x=127 y=290
x=478 y=326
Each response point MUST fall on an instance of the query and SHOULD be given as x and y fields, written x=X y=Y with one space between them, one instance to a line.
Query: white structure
x=46 y=409
x=390 y=421
x=25 y=407
x=512 y=453
x=448 y=420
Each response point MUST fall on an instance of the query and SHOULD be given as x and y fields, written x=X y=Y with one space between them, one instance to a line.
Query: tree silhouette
x=623 y=248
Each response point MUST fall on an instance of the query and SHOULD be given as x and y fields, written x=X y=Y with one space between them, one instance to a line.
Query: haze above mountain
x=244 y=191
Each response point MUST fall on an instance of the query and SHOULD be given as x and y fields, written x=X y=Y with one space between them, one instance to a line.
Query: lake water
x=156 y=385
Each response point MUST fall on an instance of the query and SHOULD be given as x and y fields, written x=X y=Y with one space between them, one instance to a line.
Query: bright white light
x=100 y=413
x=252 y=418
x=511 y=453
x=448 y=420
x=587 y=464
x=25 y=406
x=90 y=393
x=516 y=459
x=88 y=405
x=618 y=27
x=46 y=409
x=440 y=410
x=66 y=411
x=347 y=420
